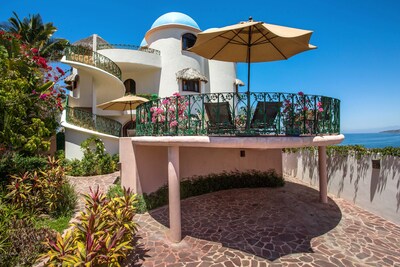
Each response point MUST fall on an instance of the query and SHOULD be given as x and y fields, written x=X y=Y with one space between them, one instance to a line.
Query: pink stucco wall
x=144 y=168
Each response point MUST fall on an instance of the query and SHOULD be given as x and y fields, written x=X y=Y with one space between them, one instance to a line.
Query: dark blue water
x=372 y=140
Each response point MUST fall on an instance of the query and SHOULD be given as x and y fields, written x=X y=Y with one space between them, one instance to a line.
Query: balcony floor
x=269 y=227
x=240 y=142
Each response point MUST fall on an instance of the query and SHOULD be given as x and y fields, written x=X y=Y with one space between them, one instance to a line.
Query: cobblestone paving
x=269 y=227
x=261 y=227
x=83 y=183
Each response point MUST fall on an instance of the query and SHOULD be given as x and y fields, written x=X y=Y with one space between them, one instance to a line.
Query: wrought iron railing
x=239 y=114
x=128 y=46
x=87 y=56
x=92 y=121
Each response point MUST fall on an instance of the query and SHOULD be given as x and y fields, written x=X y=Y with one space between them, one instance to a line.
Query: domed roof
x=143 y=43
x=176 y=18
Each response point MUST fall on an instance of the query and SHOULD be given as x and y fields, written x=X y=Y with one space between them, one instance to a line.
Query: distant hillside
x=391 y=131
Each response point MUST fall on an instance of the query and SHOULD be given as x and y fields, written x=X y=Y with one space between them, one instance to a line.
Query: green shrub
x=199 y=185
x=115 y=191
x=102 y=237
x=14 y=163
x=73 y=167
x=47 y=191
x=95 y=160
x=25 y=243
x=344 y=151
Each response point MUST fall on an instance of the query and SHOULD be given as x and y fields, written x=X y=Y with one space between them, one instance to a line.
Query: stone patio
x=263 y=227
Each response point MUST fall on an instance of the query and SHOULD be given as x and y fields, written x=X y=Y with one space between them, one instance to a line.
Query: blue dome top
x=175 y=18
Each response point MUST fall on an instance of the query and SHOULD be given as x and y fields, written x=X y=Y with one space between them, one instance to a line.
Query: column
x=174 y=194
x=323 y=175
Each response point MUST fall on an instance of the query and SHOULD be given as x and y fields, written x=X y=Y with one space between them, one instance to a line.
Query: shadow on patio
x=266 y=222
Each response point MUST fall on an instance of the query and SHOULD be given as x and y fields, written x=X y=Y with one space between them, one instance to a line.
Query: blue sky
x=357 y=60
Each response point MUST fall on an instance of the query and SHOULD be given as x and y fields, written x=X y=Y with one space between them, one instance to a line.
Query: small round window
x=188 y=40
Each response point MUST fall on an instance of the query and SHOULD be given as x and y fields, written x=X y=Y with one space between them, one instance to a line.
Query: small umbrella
x=252 y=41
x=128 y=102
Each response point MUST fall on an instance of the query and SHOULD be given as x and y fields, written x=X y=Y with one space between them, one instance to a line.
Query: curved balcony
x=239 y=114
x=89 y=57
x=92 y=121
x=129 y=47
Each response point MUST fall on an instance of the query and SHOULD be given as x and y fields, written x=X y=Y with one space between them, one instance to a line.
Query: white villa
x=208 y=128
x=161 y=65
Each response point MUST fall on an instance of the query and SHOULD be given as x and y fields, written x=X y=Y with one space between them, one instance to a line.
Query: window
x=191 y=85
x=130 y=87
x=188 y=40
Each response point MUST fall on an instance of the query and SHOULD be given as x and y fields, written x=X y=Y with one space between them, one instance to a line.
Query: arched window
x=130 y=87
x=188 y=40
x=129 y=128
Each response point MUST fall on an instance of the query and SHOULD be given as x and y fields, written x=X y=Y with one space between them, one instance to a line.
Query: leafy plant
x=357 y=150
x=47 y=191
x=103 y=235
x=24 y=243
x=30 y=98
x=95 y=159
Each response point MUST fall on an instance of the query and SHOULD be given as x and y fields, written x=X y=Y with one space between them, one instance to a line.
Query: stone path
x=83 y=184
x=265 y=227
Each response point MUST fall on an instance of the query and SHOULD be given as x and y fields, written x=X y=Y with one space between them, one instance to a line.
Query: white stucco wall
x=222 y=76
x=82 y=95
x=136 y=58
x=147 y=80
x=353 y=179
x=174 y=59
x=74 y=138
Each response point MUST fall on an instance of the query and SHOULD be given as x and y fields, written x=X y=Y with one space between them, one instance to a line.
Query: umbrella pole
x=130 y=107
x=248 y=80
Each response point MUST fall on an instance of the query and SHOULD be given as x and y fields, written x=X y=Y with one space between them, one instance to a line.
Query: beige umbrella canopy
x=252 y=41
x=128 y=102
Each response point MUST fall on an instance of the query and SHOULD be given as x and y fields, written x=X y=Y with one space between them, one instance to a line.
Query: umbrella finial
x=250 y=18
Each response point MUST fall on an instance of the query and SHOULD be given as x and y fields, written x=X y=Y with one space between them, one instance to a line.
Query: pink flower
x=300 y=93
x=177 y=94
x=60 y=71
x=305 y=108
x=43 y=96
x=160 y=111
x=319 y=104
x=173 y=124
x=320 y=109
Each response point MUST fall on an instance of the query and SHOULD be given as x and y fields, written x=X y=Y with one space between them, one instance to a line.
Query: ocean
x=372 y=140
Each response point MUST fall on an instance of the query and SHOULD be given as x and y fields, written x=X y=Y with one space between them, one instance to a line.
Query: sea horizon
x=372 y=140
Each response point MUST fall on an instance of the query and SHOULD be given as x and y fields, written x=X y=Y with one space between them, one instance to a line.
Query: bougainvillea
x=30 y=97
x=171 y=112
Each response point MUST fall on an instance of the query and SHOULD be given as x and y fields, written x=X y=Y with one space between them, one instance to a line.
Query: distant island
x=391 y=131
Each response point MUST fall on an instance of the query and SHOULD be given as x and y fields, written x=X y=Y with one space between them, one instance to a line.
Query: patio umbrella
x=128 y=102
x=252 y=41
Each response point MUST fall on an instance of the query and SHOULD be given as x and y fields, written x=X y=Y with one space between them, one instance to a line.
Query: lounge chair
x=219 y=118
x=264 y=118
